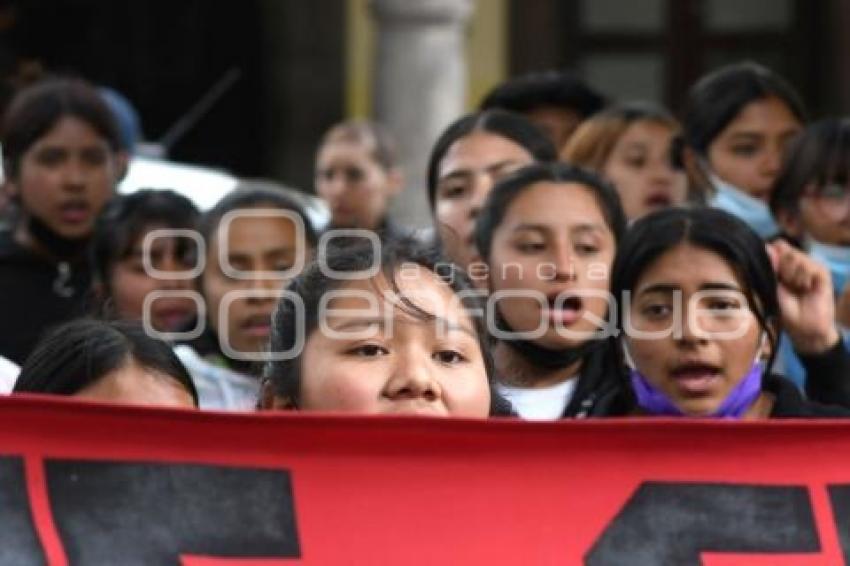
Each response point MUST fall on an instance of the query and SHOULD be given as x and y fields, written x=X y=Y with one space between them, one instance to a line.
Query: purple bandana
x=742 y=396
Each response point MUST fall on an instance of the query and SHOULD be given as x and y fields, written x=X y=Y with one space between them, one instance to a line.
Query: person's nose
x=174 y=267
x=74 y=175
x=772 y=162
x=262 y=287
x=661 y=174
x=691 y=329
x=412 y=379
x=480 y=189
x=563 y=262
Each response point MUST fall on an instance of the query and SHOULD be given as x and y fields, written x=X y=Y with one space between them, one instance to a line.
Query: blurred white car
x=205 y=186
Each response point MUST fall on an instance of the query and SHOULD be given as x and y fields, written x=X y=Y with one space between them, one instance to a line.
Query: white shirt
x=219 y=388
x=540 y=403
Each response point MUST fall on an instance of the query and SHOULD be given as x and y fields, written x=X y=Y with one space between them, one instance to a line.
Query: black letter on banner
x=20 y=542
x=672 y=523
x=138 y=513
x=839 y=495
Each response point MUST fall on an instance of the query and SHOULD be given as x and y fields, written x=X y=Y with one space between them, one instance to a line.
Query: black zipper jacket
x=36 y=294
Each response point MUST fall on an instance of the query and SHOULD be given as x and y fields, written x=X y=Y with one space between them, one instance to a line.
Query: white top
x=540 y=403
x=8 y=375
x=219 y=388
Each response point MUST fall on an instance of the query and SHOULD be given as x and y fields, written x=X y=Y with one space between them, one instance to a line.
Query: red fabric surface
x=432 y=491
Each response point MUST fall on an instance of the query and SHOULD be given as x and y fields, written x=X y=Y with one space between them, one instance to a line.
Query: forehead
x=344 y=150
x=687 y=266
x=417 y=284
x=481 y=149
x=769 y=115
x=258 y=231
x=646 y=132
x=70 y=130
x=555 y=120
x=557 y=205
x=160 y=241
x=132 y=383
x=553 y=114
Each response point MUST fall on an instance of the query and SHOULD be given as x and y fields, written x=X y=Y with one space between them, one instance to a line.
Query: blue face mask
x=755 y=213
x=835 y=258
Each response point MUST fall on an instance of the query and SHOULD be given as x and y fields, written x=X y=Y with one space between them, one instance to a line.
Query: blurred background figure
x=636 y=147
x=470 y=156
x=738 y=123
x=358 y=174
x=61 y=161
x=121 y=279
x=554 y=101
x=811 y=201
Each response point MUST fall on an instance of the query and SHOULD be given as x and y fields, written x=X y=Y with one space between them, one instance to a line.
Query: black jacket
x=35 y=294
x=600 y=382
x=828 y=376
x=790 y=403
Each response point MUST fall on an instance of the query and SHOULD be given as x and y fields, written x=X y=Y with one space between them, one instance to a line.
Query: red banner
x=97 y=485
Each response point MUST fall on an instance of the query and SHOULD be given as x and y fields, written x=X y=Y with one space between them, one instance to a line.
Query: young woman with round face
x=61 y=163
x=548 y=234
x=701 y=312
x=635 y=147
x=738 y=122
x=255 y=238
x=470 y=156
x=357 y=174
x=401 y=341
x=123 y=279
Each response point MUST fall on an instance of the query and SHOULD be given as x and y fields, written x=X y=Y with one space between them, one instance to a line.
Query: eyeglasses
x=831 y=200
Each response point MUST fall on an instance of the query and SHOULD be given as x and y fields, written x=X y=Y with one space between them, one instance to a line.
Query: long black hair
x=711 y=229
x=360 y=256
x=77 y=354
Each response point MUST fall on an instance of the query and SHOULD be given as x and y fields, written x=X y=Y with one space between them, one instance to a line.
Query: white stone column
x=420 y=86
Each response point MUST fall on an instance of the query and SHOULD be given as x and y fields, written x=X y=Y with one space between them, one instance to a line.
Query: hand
x=805 y=298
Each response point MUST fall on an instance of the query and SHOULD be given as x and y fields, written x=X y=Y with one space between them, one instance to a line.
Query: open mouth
x=695 y=377
x=258 y=325
x=659 y=200
x=563 y=308
x=75 y=211
x=171 y=319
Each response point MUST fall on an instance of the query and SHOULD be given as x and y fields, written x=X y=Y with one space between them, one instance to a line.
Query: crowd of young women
x=632 y=265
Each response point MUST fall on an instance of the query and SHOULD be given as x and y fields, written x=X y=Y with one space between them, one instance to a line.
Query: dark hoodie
x=37 y=293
